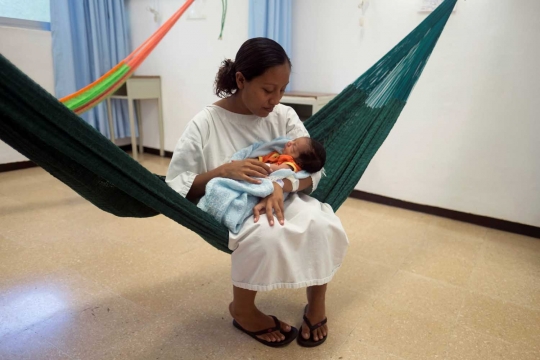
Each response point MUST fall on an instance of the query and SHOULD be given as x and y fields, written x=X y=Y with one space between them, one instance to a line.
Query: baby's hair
x=314 y=159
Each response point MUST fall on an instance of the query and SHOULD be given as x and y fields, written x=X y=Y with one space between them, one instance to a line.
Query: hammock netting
x=352 y=127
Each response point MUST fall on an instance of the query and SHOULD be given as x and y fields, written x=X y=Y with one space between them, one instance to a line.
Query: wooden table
x=139 y=88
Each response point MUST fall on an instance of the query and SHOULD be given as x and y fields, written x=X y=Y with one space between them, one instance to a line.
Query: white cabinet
x=305 y=103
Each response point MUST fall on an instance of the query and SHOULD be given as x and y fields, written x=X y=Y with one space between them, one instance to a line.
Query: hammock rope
x=352 y=126
x=94 y=93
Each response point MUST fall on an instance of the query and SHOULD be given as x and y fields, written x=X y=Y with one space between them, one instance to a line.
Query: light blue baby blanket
x=231 y=201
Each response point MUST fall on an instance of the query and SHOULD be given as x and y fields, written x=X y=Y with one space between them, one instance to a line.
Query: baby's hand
x=274 y=167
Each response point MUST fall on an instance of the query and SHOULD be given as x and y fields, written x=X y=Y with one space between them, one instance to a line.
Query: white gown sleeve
x=187 y=160
x=296 y=129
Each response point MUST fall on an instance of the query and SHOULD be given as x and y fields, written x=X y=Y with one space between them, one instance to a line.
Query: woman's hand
x=270 y=204
x=245 y=170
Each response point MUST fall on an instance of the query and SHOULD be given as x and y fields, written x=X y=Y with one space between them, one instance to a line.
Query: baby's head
x=309 y=154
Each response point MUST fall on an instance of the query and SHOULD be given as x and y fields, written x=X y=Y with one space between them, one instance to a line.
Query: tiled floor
x=77 y=283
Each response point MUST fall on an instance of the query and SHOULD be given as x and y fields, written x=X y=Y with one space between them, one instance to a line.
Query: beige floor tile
x=513 y=252
x=448 y=227
x=363 y=209
x=388 y=242
x=28 y=225
x=402 y=333
x=170 y=286
x=444 y=258
x=17 y=182
x=420 y=295
x=509 y=269
x=355 y=349
x=360 y=214
x=506 y=321
x=496 y=280
x=91 y=330
x=53 y=196
x=362 y=276
x=471 y=345
x=396 y=213
x=156 y=338
x=158 y=235
x=110 y=262
x=26 y=264
x=35 y=300
x=8 y=248
x=200 y=328
x=517 y=242
x=27 y=346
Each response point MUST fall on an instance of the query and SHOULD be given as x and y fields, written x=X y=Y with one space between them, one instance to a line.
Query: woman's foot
x=315 y=314
x=254 y=320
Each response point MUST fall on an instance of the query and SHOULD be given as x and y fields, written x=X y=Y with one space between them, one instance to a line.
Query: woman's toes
x=305 y=332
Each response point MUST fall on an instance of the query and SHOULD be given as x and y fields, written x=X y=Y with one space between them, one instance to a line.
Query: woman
x=308 y=245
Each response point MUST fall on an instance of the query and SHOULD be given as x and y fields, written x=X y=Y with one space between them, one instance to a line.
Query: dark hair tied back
x=254 y=57
x=226 y=79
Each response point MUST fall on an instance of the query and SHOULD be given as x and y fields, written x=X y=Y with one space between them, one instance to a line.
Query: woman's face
x=262 y=93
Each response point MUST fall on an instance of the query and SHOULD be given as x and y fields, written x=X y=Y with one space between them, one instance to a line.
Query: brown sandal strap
x=317 y=325
x=277 y=327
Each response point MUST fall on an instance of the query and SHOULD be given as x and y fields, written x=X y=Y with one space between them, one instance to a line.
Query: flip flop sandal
x=289 y=336
x=310 y=342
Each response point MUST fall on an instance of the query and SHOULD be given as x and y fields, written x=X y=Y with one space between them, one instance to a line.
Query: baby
x=231 y=201
x=302 y=153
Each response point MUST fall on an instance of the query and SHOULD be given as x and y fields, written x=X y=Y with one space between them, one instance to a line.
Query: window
x=33 y=14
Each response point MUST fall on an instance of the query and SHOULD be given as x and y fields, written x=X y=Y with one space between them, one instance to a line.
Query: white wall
x=187 y=60
x=30 y=51
x=468 y=138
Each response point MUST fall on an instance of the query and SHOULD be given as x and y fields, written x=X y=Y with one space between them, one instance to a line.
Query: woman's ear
x=240 y=80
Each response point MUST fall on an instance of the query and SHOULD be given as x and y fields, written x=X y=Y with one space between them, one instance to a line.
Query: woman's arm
x=246 y=170
x=198 y=186
x=303 y=184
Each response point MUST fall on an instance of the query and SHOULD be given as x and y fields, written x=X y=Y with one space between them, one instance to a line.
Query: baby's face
x=296 y=147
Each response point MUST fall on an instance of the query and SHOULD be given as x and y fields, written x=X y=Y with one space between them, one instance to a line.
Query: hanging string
x=223 y=16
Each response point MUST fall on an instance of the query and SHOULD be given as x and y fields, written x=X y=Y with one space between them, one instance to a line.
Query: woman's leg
x=244 y=311
x=316 y=312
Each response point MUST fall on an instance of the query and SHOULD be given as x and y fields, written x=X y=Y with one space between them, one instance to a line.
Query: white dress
x=308 y=249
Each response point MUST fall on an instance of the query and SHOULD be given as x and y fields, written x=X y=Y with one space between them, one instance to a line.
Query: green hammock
x=352 y=126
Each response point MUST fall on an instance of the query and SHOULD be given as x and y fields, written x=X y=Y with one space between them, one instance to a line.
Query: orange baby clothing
x=279 y=159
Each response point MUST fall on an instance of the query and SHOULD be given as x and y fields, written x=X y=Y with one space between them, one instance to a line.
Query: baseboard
x=492 y=223
x=148 y=150
x=19 y=165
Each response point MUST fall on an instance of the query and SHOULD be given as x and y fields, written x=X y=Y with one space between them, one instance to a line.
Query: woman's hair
x=254 y=57
x=314 y=159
